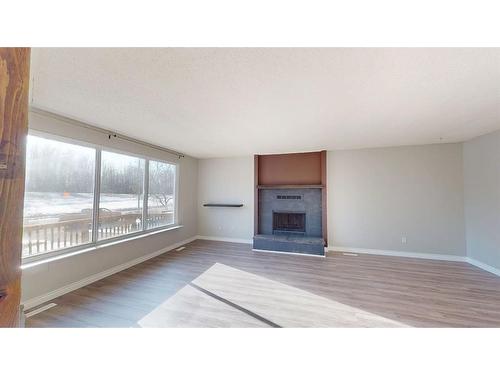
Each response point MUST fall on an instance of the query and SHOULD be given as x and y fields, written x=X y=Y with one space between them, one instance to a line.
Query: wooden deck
x=216 y=284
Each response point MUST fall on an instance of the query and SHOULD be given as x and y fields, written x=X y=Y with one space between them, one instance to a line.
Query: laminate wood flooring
x=219 y=284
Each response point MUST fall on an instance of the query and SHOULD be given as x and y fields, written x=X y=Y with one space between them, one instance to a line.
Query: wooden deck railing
x=42 y=238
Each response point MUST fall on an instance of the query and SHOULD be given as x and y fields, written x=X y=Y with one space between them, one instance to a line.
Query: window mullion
x=97 y=194
x=145 y=195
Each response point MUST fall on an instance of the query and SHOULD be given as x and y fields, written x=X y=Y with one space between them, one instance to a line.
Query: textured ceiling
x=214 y=102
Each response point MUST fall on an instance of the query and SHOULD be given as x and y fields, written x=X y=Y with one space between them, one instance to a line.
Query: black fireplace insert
x=289 y=222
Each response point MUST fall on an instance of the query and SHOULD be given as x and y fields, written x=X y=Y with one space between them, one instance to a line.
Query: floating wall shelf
x=222 y=205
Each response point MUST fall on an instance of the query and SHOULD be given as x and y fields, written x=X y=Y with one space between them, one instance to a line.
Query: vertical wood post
x=324 y=200
x=256 y=195
x=14 y=84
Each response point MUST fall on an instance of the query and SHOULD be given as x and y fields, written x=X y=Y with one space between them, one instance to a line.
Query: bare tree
x=162 y=183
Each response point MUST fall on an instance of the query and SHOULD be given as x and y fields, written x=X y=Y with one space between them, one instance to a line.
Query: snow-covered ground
x=51 y=205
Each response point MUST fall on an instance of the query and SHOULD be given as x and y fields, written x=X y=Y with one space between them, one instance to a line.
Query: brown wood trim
x=256 y=195
x=324 y=202
x=290 y=187
x=290 y=169
x=14 y=88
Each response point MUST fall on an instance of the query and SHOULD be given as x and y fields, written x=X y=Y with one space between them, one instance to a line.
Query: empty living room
x=244 y=185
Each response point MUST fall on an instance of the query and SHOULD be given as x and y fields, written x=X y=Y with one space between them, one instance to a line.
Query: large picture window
x=59 y=195
x=77 y=196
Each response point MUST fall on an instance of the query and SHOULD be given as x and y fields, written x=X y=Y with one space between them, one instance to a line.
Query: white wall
x=47 y=277
x=226 y=180
x=482 y=198
x=377 y=196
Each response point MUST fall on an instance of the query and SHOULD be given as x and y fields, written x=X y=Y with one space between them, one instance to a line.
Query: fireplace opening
x=289 y=223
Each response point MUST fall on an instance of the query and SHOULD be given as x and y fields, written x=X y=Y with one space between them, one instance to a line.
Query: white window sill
x=33 y=262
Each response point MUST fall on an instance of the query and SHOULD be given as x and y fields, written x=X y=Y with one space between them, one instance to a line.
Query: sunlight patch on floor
x=224 y=296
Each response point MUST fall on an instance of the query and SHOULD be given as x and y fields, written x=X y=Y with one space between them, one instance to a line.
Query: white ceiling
x=214 y=102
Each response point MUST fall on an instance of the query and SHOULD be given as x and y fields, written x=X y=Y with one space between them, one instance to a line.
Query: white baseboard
x=224 y=239
x=483 y=266
x=452 y=258
x=28 y=304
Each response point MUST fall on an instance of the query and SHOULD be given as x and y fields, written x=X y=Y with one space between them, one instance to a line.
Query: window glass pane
x=121 y=198
x=58 y=195
x=161 y=199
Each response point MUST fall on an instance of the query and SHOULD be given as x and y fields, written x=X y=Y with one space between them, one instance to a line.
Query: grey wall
x=378 y=196
x=226 y=180
x=375 y=197
x=482 y=198
x=46 y=277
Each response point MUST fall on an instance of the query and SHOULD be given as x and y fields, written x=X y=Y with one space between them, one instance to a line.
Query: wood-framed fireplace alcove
x=290 y=172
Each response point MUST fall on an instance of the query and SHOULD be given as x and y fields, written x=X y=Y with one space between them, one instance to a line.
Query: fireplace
x=289 y=222
x=290 y=203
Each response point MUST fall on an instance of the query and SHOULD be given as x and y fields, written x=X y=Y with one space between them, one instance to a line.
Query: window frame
x=95 y=242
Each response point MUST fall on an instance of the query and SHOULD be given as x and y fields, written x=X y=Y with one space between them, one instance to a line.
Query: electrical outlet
x=404 y=240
